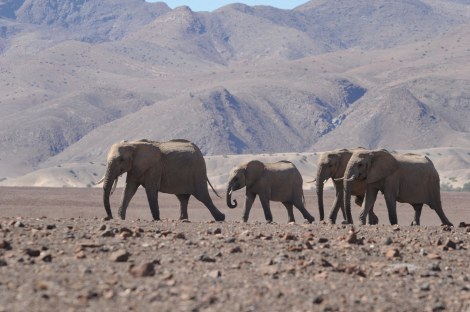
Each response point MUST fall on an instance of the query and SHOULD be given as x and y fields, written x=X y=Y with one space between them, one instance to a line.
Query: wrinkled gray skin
x=174 y=167
x=332 y=165
x=406 y=178
x=280 y=181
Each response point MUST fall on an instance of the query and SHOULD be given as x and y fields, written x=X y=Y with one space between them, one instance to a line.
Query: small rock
x=434 y=267
x=392 y=253
x=3 y=263
x=50 y=226
x=18 y=224
x=214 y=274
x=450 y=244
x=236 y=249
x=120 y=255
x=5 y=245
x=425 y=287
x=396 y=228
x=217 y=231
x=289 y=236
x=103 y=227
x=434 y=256
x=143 y=270
x=80 y=255
x=230 y=240
x=387 y=241
x=206 y=258
x=180 y=236
x=322 y=240
x=107 y=233
x=32 y=252
x=462 y=224
x=45 y=256
x=318 y=299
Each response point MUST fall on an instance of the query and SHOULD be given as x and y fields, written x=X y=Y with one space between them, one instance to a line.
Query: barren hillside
x=81 y=75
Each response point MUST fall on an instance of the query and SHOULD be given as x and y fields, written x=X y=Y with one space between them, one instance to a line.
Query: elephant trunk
x=109 y=181
x=229 y=198
x=319 y=187
x=347 y=196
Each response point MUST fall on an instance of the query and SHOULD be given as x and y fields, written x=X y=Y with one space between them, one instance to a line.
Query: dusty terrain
x=56 y=252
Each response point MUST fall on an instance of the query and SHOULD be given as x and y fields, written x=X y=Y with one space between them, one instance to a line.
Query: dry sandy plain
x=58 y=254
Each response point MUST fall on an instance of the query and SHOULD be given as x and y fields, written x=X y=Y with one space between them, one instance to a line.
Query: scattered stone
x=434 y=256
x=434 y=267
x=392 y=253
x=120 y=255
x=80 y=255
x=325 y=263
x=450 y=244
x=103 y=227
x=107 y=233
x=206 y=258
x=3 y=263
x=318 y=299
x=217 y=231
x=463 y=224
x=180 y=235
x=289 y=236
x=387 y=241
x=32 y=252
x=45 y=256
x=425 y=287
x=322 y=240
x=236 y=249
x=5 y=245
x=142 y=270
x=230 y=240
x=214 y=274
x=18 y=224
x=124 y=233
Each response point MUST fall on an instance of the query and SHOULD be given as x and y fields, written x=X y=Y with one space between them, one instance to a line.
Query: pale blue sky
x=210 y=5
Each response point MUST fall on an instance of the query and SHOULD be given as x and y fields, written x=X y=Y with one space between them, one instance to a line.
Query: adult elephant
x=280 y=181
x=173 y=167
x=406 y=178
x=332 y=164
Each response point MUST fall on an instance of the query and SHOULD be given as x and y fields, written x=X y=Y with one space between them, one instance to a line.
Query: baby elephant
x=280 y=181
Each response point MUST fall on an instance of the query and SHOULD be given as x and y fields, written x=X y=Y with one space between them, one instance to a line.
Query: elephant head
x=119 y=161
x=241 y=176
x=369 y=166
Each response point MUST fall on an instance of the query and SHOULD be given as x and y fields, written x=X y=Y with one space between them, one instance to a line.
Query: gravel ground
x=57 y=253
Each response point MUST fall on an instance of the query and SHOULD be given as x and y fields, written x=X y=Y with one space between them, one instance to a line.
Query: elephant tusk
x=314 y=180
x=230 y=192
x=100 y=181
x=339 y=179
x=114 y=186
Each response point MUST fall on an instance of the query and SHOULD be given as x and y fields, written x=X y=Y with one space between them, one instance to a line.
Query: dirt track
x=57 y=253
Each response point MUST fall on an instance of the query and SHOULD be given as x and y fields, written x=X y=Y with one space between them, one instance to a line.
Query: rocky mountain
x=78 y=75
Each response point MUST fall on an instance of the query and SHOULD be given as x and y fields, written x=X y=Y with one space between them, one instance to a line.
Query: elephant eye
x=360 y=165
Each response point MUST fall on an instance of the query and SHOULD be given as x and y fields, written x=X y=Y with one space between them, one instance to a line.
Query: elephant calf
x=280 y=181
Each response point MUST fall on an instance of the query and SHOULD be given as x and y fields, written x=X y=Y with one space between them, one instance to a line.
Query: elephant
x=332 y=164
x=406 y=178
x=279 y=181
x=173 y=167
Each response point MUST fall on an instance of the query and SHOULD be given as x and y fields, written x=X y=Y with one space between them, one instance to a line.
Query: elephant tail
x=213 y=188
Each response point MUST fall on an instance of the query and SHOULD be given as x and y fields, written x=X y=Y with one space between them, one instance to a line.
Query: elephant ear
x=254 y=171
x=382 y=165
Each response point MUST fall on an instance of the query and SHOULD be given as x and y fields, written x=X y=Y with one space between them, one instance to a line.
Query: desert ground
x=58 y=253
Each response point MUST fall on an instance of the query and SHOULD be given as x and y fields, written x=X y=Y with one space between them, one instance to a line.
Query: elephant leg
x=267 y=210
x=290 y=211
x=359 y=200
x=299 y=204
x=152 y=197
x=129 y=191
x=249 y=199
x=184 y=199
x=337 y=204
x=417 y=208
x=204 y=198
x=373 y=219
x=371 y=196
x=391 y=207
x=438 y=209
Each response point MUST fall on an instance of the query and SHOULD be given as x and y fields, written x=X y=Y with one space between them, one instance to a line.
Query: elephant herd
x=178 y=167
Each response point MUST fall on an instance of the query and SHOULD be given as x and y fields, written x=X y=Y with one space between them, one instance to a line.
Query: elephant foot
x=184 y=220
x=107 y=218
x=414 y=223
x=291 y=223
x=220 y=217
x=269 y=221
x=310 y=220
